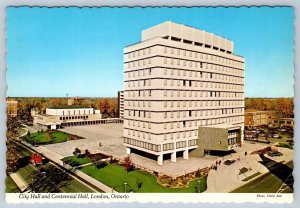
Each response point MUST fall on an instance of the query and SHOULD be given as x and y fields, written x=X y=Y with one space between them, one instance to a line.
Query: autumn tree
x=11 y=147
x=128 y=163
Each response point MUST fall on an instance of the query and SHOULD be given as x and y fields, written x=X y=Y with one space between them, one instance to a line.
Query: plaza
x=110 y=137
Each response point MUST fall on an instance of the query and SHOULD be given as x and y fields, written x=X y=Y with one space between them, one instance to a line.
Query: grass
x=75 y=186
x=268 y=183
x=76 y=161
x=11 y=186
x=115 y=176
x=47 y=137
x=26 y=172
x=252 y=176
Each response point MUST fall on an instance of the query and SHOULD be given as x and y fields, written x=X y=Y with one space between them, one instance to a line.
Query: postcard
x=152 y=104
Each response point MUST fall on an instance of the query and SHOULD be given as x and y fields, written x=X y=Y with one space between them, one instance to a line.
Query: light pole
x=198 y=186
x=125 y=186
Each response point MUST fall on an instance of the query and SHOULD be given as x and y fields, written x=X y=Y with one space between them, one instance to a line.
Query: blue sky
x=52 y=52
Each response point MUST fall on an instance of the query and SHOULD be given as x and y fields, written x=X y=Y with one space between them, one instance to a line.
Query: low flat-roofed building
x=58 y=117
x=219 y=137
x=258 y=118
x=11 y=107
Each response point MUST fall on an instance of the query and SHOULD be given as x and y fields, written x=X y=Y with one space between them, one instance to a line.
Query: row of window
x=191 y=103
x=233 y=141
x=137 y=53
x=186 y=53
x=78 y=112
x=183 y=93
x=199 y=55
x=72 y=117
x=196 y=65
x=142 y=144
x=189 y=113
x=186 y=83
x=185 y=64
x=183 y=124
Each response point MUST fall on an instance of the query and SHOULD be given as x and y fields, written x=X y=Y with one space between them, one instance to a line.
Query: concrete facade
x=217 y=137
x=177 y=79
x=121 y=104
x=60 y=117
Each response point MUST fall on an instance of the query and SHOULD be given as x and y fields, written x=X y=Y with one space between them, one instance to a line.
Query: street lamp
x=198 y=182
x=125 y=186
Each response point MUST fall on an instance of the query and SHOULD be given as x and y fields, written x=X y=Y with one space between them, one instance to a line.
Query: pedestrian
x=245 y=154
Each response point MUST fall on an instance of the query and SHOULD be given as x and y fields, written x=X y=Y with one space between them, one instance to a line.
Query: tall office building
x=180 y=81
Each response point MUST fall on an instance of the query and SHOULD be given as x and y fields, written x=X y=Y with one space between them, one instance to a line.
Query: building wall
x=121 y=104
x=12 y=108
x=257 y=118
x=173 y=87
x=70 y=111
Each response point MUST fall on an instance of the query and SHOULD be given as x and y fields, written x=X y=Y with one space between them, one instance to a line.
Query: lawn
x=26 y=172
x=11 y=187
x=74 y=186
x=47 y=137
x=76 y=161
x=115 y=176
x=269 y=183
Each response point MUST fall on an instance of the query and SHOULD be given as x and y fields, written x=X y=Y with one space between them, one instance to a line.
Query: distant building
x=61 y=116
x=283 y=122
x=75 y=101
x=176 y=80
x=11 y=107
x=258 y=118
x=121 y=104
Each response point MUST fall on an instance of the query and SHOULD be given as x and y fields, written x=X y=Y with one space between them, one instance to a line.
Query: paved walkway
x=57 y=159
x=19 y=181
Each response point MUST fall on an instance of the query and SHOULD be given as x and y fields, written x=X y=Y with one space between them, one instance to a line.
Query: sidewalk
x=57 y=159
x=227 y=178
x=19 y=181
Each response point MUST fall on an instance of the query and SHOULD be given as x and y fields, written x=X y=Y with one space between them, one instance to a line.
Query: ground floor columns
x=186 y=154
x=160 y=159
x=128 y=151
x=173 y=157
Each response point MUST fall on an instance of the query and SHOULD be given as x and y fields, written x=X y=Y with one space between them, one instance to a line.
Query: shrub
x=101 y=164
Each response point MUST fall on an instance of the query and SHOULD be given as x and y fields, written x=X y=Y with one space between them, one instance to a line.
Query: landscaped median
x=116 y=177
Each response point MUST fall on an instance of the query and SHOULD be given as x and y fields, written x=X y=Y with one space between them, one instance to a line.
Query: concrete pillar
x=160 y=159
x=186 y=154
x=128 y=151
x=173 y=157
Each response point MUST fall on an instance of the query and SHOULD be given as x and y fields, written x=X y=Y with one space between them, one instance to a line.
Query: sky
x=79 y=52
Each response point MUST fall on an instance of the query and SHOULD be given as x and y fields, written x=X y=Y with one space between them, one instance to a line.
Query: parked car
x=229 y=162
x=273 y=154
x=275 y=136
